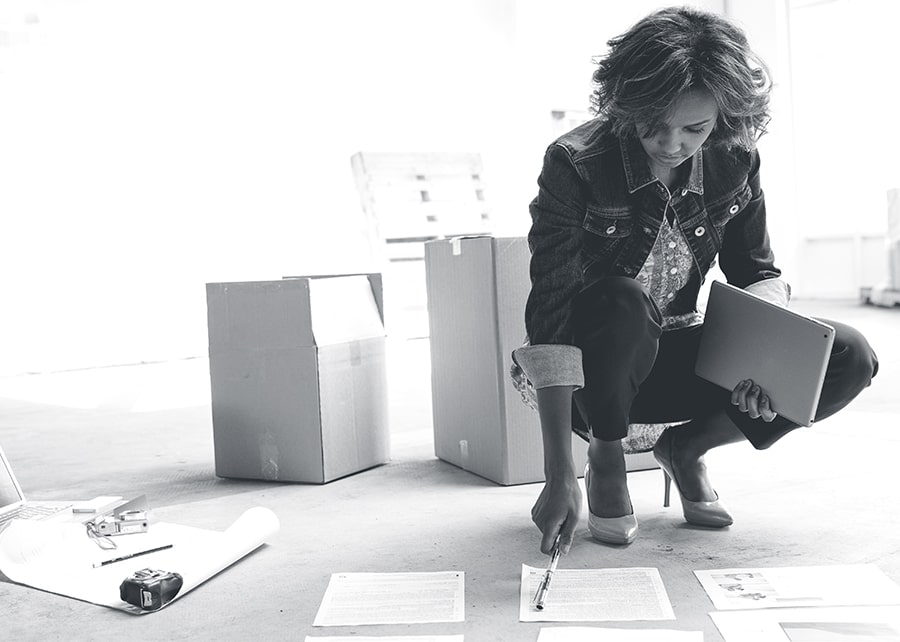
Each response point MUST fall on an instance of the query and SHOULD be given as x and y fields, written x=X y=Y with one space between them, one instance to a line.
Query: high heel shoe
x=711 y=514
x=611 y=530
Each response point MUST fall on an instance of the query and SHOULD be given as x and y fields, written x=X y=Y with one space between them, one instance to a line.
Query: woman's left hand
x=750 y=398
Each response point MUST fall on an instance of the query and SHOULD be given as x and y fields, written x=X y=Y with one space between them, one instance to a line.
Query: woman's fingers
x=739 y=394
x=567 y=534
x=549 y=537
x=753 y=402
x=750 y=398
x=765 y=408
x=556 y=513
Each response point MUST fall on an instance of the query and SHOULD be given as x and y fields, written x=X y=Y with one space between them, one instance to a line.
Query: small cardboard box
x=477 y=288
x=298 y=379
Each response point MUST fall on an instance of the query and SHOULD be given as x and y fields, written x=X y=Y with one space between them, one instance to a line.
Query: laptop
x=13 y=504
x=784 y=352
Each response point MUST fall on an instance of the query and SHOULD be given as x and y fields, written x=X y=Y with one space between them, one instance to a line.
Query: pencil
x=544 y=586
x=128 y=557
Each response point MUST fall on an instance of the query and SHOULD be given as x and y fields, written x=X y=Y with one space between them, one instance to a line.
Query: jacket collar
x=637 y=169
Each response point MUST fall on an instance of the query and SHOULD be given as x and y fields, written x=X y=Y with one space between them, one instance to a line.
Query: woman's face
x=685 y=130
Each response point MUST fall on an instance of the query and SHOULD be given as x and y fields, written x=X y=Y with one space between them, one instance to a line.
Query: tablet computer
x=784 y=352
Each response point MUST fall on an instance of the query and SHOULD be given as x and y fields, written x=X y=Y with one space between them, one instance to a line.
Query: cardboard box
x=477 y=289
x=298 y=380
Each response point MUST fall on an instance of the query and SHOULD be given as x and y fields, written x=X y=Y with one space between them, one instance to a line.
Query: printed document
x=389 y=638
x=392 y=598
x=837 y=624
x=596 y=595
x=592 y=634
x=837 y=585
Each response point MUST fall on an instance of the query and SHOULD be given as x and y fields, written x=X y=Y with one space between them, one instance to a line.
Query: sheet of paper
x=837 y=585
x=389 y=638
x=592 y=634
x=392 y=598
x=596 y=595
x=59 y=557
x=837 y=624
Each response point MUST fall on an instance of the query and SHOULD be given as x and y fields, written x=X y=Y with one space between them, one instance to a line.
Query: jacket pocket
x=724 y=209
x=606 y=234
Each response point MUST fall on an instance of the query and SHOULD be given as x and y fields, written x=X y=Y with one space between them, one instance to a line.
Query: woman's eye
x=696 y=131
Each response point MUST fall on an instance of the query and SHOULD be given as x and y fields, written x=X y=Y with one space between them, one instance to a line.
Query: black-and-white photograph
x=449 y=320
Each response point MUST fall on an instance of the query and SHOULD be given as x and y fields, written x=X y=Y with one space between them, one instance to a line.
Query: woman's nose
x=668 y=142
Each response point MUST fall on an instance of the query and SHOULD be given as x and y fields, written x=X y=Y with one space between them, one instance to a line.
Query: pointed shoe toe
x=613 y=530
x=709 y=514
x=609 y=530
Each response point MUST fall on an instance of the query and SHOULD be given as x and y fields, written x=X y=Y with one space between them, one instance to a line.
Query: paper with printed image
x=836 y=585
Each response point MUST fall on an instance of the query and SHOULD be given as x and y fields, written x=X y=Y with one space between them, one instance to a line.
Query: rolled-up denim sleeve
x=555 y=239
x=774 y=291
x=746 y=255
x=550 y=365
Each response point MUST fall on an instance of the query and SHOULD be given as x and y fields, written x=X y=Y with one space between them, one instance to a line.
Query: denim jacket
x=598 y=212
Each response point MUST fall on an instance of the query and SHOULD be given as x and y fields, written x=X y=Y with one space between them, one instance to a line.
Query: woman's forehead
x=692 y=107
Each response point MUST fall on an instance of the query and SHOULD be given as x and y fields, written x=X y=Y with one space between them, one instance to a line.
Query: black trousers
x=636 y=373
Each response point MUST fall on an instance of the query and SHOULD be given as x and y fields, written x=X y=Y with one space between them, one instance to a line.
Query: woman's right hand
x=556 y=512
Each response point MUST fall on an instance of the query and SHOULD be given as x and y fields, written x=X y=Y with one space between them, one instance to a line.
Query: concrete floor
x=826 y=495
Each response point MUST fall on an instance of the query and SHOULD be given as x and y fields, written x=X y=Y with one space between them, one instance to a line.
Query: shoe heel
x=667 y=487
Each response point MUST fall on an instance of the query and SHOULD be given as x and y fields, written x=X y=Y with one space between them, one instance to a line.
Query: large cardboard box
x=477 y=289
x=297 y=372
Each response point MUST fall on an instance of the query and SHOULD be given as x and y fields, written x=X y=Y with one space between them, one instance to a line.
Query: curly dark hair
x=675 y=50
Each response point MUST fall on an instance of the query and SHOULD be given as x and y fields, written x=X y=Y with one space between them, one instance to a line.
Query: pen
x=128 y=557
x=544 y=586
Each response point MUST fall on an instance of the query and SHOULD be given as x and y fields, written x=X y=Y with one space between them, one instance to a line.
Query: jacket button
x=611 y=229
x=733 y=209
x=700 y=231
x=684 y=192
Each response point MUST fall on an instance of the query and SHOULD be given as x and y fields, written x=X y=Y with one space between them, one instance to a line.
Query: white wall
x=846 y=90
x=152 y=147
x=765 y=22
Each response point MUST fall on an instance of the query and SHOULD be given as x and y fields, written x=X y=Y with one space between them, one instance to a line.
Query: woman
x=632 y=210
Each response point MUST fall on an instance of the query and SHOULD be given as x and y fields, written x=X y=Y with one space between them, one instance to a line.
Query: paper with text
x=592 y=634
x=837 y=585
x=389 y=638
x=392 y=598
x=836 y=624
x=596 y=595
